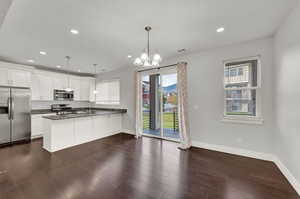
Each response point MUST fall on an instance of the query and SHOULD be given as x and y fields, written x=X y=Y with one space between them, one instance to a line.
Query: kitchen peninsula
x=67 y=130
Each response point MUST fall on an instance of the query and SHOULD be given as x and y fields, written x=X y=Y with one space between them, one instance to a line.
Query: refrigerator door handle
x=12 y=108
x=9 y=108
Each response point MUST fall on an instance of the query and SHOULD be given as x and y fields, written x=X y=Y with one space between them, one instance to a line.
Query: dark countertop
x=87 y=114
x=41 y=111
x=47 y=111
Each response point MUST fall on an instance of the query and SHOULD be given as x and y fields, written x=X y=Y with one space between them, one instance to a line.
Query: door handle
x=12 y=108
x=9 y=107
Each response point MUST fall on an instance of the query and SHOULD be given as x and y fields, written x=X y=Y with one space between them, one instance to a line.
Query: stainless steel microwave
x=63 y=95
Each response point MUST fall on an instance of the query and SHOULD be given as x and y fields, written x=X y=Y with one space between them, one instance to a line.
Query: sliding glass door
x=159 y=95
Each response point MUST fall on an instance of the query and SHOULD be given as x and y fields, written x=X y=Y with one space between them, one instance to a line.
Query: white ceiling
x=112 y=29
x=4 y=6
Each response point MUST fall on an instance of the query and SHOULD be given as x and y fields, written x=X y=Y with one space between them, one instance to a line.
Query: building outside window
x=242 y=90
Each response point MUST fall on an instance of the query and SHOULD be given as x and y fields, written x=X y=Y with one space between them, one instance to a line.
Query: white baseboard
x=286 y=172
x=235 y=151
x=253 y=154
x=36 y=136
x=127 y=131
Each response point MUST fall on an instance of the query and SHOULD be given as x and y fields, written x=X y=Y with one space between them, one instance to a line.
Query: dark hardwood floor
x=123 y=167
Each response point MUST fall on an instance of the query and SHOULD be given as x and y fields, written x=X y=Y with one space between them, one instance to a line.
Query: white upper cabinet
x=15 y=75
x=20 y=78
x=60 y=81
x=75 y=83
x=45 y=87
x=35 y=87
x=85 y=89
x=4 y=81
x=43 y=83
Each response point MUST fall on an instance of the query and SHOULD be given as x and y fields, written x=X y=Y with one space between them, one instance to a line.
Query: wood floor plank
x=123 y=167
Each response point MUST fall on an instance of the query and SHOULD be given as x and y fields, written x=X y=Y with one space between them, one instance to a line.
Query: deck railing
x=170 y=120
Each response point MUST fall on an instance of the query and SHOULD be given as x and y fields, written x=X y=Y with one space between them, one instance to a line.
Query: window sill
x=239 y=120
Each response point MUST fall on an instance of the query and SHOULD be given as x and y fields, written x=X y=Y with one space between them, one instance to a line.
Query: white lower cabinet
x=38 y=125
x=76 y=131
x=100 y=126
x=106 y=125
x=83 y=130
x=61 y=136
x=115 y=122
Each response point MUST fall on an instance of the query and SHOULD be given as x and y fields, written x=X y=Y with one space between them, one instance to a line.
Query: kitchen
x=48 y=94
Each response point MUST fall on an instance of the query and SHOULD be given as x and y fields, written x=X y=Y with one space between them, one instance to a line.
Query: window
x=240 y=72
x=226 y=73
x=108 y=92
x=242 y=91
x=232 y=72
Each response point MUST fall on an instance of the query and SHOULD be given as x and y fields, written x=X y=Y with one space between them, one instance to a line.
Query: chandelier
x=147 y=60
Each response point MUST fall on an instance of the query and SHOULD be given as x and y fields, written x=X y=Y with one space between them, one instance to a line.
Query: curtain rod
x=157 y=68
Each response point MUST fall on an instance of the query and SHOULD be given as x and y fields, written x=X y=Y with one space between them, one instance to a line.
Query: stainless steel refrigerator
x=15 y=115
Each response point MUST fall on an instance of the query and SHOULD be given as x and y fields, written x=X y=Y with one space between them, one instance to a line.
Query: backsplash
x=47 y=104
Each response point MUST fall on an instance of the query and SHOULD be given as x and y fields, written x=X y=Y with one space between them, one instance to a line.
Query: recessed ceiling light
x=79 y=70
x=74 y=32
x=182 y=50
x=221 y=29
x=30 y=60
x=43 y=53
x=129 y=56
x=58 y=66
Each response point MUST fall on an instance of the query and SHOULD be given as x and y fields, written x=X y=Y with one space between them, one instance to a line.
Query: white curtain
x=138 y=91
x=183 y=120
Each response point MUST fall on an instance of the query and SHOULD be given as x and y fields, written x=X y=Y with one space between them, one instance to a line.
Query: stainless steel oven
x=63 y=95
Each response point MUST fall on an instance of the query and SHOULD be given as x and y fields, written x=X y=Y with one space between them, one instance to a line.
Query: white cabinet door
x=45 y=87
x=84 y=90
x=61 y=134
x=83 y=130
x=35 y=87
x=19 y=78
x=4 y=81
x=106 y=125
x=36 y=126
x=92 y=90
x=75 y=86
x=60 y=82
x=115 y=123
x=100 y=126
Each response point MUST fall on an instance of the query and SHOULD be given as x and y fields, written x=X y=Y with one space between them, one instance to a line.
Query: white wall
x=205 y=83
x=127 y=95
x=287 y=92
x=205 y=72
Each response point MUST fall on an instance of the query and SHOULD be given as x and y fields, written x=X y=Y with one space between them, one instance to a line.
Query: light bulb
x=146 y=63
x=138 y=61
x=157 y=57
x=155 y=63
x=95 y=91
x=144 y=56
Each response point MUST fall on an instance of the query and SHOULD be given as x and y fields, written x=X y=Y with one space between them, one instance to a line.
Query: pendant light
x=68 y=89
x=146 y=60
x=95 y=88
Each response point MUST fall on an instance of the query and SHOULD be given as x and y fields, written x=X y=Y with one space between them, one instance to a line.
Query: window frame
x=245 y=119
x=119 y=91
